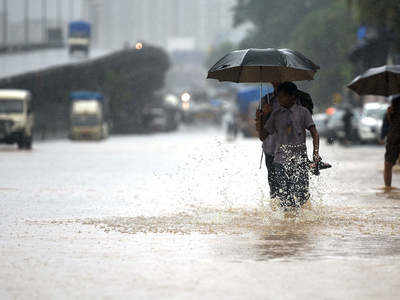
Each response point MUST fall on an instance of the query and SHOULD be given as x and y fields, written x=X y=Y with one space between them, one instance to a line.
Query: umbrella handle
x=262 y=155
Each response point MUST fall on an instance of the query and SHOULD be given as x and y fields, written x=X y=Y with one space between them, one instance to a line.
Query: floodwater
x=187 y=215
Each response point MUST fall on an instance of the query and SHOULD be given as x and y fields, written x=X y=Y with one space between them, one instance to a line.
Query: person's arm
x=385 y=127
x=310 y=125
x=389 y=114
x=260 y=127
x=315 y=137
x=262 y=116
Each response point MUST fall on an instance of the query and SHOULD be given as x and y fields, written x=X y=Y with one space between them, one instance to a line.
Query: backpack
x=305 y=100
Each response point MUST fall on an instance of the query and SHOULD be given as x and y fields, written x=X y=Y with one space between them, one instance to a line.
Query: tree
x=321 y=29
x=273 y=20
x=218 y=52
x=326 y=35
x=383 y=15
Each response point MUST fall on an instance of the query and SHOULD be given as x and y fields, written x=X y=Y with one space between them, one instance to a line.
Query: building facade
x=159 y=22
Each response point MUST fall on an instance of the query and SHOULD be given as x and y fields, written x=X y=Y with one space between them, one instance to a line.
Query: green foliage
x=326 y=35
x=382 y=14
x=218 y=52
x=273 y=20
x=321 y=29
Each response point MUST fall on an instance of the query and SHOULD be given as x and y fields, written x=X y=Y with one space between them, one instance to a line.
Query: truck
x=89 y=116
x=247 y=101
x=16 y=118
x=79 y=35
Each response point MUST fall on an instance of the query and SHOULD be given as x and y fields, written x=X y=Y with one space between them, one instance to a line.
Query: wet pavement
x=173 y=216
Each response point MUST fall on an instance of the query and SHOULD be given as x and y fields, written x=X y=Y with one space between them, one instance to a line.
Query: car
x=335 y=127
x=163 y=119
x=16 y=118
x=371 y=120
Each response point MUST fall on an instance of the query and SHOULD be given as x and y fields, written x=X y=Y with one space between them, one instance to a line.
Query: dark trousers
x=292 y=183
x=269 y=162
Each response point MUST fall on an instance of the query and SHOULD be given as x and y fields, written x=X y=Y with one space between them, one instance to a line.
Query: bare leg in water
x=387 y=175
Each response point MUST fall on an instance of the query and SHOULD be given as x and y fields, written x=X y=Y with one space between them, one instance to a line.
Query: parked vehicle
x=89 y=117
x=371 y=119
x=79 y=34
x=247 y=101
x=162 y=119
x=16 y=118
x=335 y=127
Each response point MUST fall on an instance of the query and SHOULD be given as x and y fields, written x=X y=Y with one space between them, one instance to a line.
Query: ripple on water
x=315 y=233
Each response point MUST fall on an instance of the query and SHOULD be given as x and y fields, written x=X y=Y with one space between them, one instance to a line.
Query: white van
x=371 y=120
x=16 y=118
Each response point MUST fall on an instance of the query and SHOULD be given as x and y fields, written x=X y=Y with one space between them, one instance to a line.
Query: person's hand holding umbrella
x=261 y=114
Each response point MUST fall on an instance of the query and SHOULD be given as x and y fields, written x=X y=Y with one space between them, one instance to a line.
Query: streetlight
x=44 y=21
x=139 y=46
x=185 y=97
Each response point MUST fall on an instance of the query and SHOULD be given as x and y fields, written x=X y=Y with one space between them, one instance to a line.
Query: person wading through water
x=289 y=124
x=392 y=141
x=269 y=103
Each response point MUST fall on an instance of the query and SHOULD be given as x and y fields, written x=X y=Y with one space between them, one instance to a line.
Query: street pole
x=59 y=14
x=84 y=10
x=5 y=22
x=26 y=22
x=71 y=10
x=44 y=21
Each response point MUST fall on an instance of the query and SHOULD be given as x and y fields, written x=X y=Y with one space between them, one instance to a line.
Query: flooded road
x=187 y=215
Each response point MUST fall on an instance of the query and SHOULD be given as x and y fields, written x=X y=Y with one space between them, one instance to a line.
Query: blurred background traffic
x=91 y=68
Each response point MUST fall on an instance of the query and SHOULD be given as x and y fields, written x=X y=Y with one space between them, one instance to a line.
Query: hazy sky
x=16 y=9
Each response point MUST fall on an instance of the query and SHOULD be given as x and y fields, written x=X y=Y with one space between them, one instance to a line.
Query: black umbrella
x=263 y=65
x=383 y=81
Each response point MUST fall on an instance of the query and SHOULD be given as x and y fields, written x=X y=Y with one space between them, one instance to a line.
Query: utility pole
x=84 y=10
x=59 y=14
x=26 y=22
x=5 y=22
x=71 y=10
x=44 y=21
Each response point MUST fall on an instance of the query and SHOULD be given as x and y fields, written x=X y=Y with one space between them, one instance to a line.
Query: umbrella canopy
x=383 y=81
x=263 y=65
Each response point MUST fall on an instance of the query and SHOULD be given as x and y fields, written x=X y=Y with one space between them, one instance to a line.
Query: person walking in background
x=385 y=127
x=289 y=124
x=392 y=141
x=348 y=125
x=269 y=104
